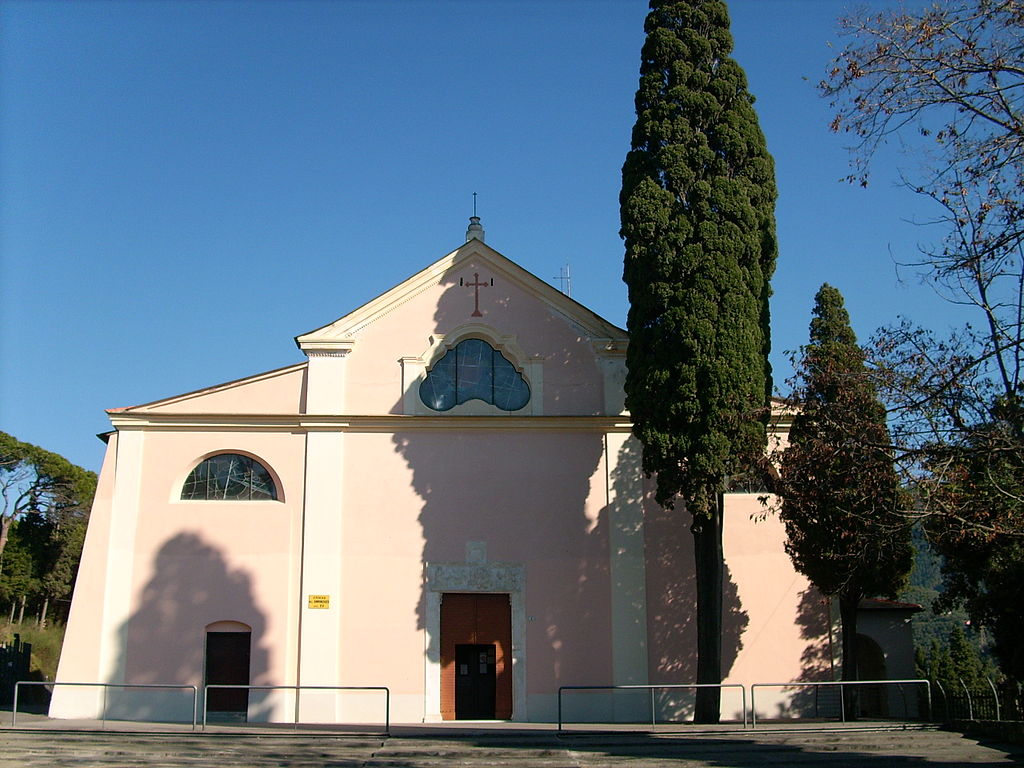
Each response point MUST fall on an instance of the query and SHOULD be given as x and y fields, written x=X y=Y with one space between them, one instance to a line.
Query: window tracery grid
x=229 y=476
x=474 y=370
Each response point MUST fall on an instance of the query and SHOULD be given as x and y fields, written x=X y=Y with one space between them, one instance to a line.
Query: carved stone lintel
x=473 y=577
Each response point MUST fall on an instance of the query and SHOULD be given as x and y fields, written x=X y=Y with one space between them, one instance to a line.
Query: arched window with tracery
x=229 y=477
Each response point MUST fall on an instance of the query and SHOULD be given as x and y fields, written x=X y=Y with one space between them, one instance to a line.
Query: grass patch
x=46 y=645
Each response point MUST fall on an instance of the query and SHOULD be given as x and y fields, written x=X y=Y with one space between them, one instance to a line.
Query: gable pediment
x=342 y=333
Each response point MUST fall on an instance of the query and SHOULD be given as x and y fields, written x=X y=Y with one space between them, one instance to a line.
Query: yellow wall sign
x=319 y=601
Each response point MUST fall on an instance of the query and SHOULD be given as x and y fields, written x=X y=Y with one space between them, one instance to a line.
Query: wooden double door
x=476 y=657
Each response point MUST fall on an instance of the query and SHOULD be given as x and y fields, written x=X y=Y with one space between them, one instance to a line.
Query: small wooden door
x=227 y=663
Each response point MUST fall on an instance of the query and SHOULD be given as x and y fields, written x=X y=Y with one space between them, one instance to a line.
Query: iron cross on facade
x=476 y=285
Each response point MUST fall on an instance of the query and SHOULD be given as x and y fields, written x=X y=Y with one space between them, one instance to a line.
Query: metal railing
x=841 y=684
x=984 y=700
x=652 y=689
x=299 y=689
x=105 y=686
x=1008 y=706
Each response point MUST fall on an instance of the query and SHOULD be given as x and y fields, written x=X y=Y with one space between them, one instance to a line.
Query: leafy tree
x=955 y=662
x=49 y=498
x=926 y=583
x=984 y=568
x=697 y=216
x=19 y=582
x=967 y=663
x=36 y=481
x=838 y=488
x=935 y=663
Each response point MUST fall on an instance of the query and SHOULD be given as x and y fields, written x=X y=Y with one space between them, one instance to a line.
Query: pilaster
x=321 y=592
x=626 y=560
x=325 y=377
x=611 y=356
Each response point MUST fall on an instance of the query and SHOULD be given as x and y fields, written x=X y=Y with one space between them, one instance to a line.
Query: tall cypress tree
x=838 y=485
x=697 y=214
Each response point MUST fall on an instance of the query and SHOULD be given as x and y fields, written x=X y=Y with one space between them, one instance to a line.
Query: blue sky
x=186 y=186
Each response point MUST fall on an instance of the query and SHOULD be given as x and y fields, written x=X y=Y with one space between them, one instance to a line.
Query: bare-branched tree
x=947 y=83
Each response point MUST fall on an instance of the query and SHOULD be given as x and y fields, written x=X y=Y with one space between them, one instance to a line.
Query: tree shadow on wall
x=524 y=508
x=531 y=497
x=672 y=612
x=163 y=642
x=814 y=621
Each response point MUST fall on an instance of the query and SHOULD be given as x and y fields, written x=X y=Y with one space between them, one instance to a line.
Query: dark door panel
x=227 y=663
x=475 y=681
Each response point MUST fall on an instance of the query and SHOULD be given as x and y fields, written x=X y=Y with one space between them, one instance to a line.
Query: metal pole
x=842 y=702
x=970 y=704
x=14 y=714
x=753 y=707
x=560 y=709
x=995 y=694
x=654 y=716
x=103 y=712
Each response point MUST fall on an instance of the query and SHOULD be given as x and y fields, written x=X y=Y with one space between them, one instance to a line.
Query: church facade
x=443 y=497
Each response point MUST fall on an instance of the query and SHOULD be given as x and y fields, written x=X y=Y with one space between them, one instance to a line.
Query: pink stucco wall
x=572 y=382
x=85 y=619
x=422 y=495
x=199 y=562
x=775 y=626
x=277 y=392
x=786 y=636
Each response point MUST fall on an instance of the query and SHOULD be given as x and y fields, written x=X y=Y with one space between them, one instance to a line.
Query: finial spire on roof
x=475 y=231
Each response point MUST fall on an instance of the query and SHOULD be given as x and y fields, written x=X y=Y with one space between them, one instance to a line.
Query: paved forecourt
x=434 y=748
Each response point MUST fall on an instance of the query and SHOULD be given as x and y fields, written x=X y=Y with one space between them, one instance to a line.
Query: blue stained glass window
x=474 y=370
x=229 y=476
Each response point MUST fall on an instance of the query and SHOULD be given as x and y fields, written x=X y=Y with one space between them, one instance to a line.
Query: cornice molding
x=328 y=348
x=384 y=423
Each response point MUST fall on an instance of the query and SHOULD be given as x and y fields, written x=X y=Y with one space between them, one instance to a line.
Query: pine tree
x=697 y=214
x=838 y=486
x=967 y=664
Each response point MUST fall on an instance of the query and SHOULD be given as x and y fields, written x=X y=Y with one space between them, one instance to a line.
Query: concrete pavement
x=423 y=747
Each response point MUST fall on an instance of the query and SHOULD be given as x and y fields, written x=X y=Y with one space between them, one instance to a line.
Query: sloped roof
x=214 y=389
x=878 y=604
